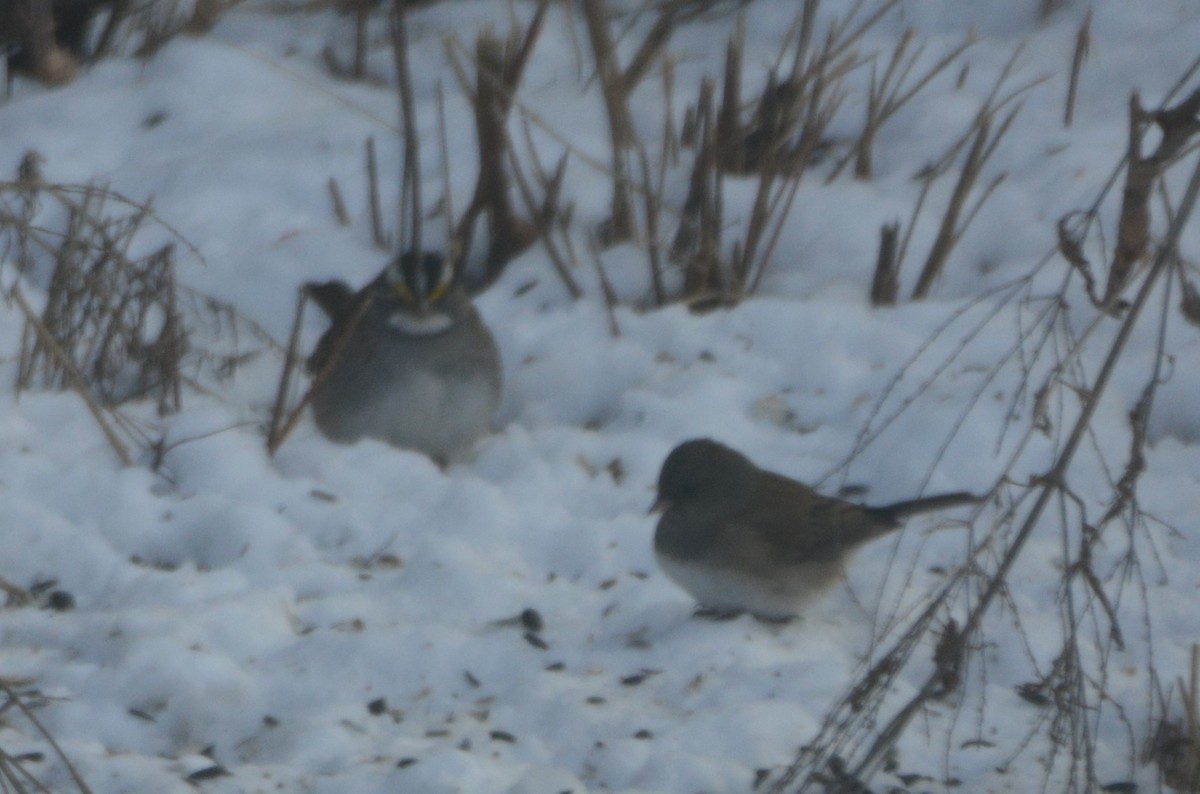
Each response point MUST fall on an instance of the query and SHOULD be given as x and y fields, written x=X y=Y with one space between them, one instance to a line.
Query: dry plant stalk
x=885 y=286
x=357 y=70
x=890 y=92
x=12 y=770
x=950 y=230
x=106 y=41
x=617 y=84
x=499 y=67
x=157 y=29
x=620 y=122
x=1046 y=8
x=446 y=205
x=734 y=158
x=378 y=231
x=778 y=110
x=653 y=188
x=283 y=422
x=958 y=216
x=1178 y=124
x=111 y=328
x=1189 y=301
x=785 y=130
x=339 y=204
x=497 y=78
x=205 y=14
x=14 y=595
x=115 y=318
x=670 y=138
x=697 y=240
x=687 y=234
x=411 y=209
x=610 y=295
x=362 y=15
x=1070 y=247
x=984 y=136
x=1083 y=44
x=772 y=202
x=55 y=34
x=51 y=39
x=857 y=737
x=115 y=326
x=652 y=202
x=1175 y=746
x=549 y=215
x=37 y=333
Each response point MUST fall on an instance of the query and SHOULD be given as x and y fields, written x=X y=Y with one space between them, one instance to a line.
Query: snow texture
x=335 y=618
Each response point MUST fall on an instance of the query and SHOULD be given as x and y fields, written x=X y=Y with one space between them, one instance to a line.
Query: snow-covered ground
x=331 y=619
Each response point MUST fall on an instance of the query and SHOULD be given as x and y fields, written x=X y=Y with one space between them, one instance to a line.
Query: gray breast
x=435 y=392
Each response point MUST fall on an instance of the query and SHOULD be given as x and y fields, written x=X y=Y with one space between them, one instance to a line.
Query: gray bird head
x=702 y=468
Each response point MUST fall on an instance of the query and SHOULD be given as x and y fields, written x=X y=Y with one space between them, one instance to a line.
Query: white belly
x=781 y=593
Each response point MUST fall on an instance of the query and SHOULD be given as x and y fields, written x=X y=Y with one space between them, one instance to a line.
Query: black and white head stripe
x=421 y=279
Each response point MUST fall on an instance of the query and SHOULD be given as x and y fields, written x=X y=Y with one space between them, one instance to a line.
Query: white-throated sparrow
x=406 y=360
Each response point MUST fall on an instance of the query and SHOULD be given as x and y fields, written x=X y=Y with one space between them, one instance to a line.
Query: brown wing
x=350 y=312
x=799 y=525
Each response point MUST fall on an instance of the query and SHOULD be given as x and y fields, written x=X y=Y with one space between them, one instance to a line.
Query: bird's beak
x=660 y=504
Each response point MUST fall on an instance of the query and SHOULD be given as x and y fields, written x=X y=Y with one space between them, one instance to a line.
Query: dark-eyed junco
x=406 y=360
x=742 y=539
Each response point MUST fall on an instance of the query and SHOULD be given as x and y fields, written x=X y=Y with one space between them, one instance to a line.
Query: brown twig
x=888 y=94
x=454 y=250
x=950 y=230
x=620 y=121
x=411 y=209
x=274 y=436
x=322 y=374
x=362 y=15
x=610 y=296
x=15 y=699
x=811 y=766
x=339 y=205
x=1083 y=43
x=77 y=382
x=546 y=215
x=731 y=146
x=499 y=69
x=378 y=234
x=885 y=285
x=1178 y=124
x=697 y=239
x=652 y=205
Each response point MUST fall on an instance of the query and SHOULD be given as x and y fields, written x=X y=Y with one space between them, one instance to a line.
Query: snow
x=336 y=618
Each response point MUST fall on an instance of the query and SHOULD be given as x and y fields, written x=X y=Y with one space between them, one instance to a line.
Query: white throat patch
x=418 y=325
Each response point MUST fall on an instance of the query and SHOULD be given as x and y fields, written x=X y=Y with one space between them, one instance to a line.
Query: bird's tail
x=335 y=298
x=899 y=510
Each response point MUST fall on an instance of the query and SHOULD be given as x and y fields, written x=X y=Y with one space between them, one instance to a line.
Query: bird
x=406 y=360
x=739 y=538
